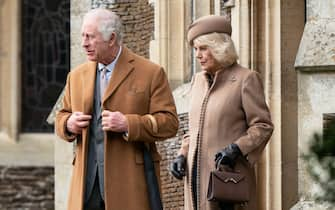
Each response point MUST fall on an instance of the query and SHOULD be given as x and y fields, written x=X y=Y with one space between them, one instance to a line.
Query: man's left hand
x=114 y=121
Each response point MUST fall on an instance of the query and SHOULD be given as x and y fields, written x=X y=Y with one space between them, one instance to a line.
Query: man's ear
x=112 y=39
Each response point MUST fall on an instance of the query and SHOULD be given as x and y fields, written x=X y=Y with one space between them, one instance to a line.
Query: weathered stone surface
x=317 y=46
x=310 y=205
x=26 y=188
x=316 y=88
x=182 y=98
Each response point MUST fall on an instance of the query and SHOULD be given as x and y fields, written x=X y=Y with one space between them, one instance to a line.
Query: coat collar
x=88 y=77
x=229 y=74
x=122 y=68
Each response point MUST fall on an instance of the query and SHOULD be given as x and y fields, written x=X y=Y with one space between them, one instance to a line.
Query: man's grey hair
x=221 y=46
x=108 y=22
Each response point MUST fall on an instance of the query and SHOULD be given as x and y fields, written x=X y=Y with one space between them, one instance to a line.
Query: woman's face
x=205 y=57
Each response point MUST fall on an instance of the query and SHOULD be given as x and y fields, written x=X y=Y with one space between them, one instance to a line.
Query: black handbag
x=151 y=179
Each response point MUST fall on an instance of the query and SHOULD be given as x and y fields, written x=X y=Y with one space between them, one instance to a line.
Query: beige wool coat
x=232 y=110
x=140 y=90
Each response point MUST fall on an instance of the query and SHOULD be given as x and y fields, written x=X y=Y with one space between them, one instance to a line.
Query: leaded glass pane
x=45 y=59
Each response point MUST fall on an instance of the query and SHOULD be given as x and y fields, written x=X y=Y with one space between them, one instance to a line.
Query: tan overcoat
x=140 y=90
x=232 y=110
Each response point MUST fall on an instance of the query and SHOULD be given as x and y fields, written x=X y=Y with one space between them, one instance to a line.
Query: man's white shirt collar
x=110 y=66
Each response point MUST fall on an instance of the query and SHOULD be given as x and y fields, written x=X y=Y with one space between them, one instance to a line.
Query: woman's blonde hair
x=221 y=46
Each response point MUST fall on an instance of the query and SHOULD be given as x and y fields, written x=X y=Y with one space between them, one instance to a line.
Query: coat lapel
x=88 y=77
x=122 y=68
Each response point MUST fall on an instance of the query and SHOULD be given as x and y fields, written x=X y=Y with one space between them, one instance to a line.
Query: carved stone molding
x=226 y=6
x=1 y=51
x=228 y=3
x=317 y=46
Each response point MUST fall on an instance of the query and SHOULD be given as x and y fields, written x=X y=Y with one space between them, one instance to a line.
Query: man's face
x=92 y=41
x=205 y=57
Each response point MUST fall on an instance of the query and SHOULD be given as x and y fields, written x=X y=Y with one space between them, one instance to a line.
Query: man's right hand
x=77 y=122
x=177 y=167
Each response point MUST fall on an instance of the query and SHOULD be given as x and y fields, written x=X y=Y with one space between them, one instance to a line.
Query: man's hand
x=114 y=121
x=77 y=122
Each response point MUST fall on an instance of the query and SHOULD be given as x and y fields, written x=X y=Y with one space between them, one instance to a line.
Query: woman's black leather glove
x=228 y=156
x=177 y=167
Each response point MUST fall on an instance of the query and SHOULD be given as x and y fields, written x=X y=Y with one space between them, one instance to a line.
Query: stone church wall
x=138 y=19
x=26 y=171
x=172 y=189
x=26 y=188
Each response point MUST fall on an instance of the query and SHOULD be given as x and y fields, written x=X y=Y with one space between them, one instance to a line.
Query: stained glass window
x=45 y=59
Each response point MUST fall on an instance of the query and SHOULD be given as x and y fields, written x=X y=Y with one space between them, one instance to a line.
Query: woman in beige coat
x=229 y=120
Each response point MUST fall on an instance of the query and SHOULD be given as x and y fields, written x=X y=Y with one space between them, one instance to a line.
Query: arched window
x=45 y=60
